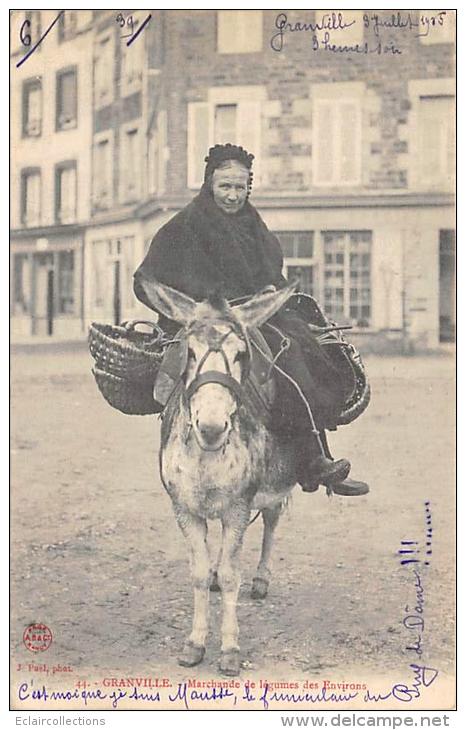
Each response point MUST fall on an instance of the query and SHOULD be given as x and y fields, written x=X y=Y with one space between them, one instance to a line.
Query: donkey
x=218 y=459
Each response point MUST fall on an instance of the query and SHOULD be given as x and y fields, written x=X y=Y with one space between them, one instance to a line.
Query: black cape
x=203 y=249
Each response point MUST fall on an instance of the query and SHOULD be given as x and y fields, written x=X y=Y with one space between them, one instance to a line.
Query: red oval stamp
x=37 y=637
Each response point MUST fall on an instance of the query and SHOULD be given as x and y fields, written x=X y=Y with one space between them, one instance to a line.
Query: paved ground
x=97 y=557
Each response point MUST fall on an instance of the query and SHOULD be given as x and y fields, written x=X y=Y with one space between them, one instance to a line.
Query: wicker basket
x=126 y=364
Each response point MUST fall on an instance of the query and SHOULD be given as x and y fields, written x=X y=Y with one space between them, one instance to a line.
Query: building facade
x=353 y=132
x=51 y=114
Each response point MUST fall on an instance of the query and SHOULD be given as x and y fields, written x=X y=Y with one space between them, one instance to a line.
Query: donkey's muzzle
x=212 y=435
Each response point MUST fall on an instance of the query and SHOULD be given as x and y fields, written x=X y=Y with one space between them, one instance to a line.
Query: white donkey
x=217 y=459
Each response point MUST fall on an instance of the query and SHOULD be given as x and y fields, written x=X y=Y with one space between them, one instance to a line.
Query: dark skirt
x=308 y=364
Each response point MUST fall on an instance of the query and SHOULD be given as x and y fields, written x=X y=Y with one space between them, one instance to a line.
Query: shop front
x=47 y=284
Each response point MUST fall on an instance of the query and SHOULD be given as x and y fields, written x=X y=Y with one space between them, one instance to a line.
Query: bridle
x=217 y=376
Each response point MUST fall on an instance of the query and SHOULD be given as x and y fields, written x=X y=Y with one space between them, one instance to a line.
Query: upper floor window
x=102 y=177
x=337 y=134
x=239 y=31
x=25 y=30
x=232 y=114
x=130 y=165
x=437 y=26
x=66 y=192
x=132 y=61
x=67 y=99
x=157 y=156
x=32 y=108
x=31 y=197
x=436 y=141
x=67 y=25
x=103 y=71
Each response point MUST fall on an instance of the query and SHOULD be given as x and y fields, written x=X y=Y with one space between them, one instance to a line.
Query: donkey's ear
x=263 y=306
x=171 y=303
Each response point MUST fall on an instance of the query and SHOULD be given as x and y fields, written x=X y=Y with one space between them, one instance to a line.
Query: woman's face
x=230 y=186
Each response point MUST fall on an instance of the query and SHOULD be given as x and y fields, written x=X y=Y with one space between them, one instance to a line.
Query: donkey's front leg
x=229 y=577
x=195 y=531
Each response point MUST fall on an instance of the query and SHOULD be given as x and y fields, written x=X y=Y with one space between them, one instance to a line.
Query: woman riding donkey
x=220 y=243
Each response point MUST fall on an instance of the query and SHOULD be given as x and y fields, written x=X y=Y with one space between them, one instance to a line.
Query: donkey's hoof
x=191 y=654
x=260 y=587
x=230 y=662
x=214 y=584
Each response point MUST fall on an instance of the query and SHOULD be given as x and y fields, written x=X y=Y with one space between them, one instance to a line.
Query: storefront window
x=21 y=285
x=347 y=276
x=66 y=299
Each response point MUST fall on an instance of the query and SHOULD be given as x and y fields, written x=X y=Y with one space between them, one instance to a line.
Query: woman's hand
x=268 y=289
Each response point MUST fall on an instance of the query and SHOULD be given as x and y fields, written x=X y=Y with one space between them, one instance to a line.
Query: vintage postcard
x=233 y=315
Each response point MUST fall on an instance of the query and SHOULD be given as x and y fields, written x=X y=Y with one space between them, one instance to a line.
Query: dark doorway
x=116 y=293
x=50 y=294
x=447 y=311
x=44 y=285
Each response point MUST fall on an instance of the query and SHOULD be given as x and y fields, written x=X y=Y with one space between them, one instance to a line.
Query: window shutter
x=323 y=148
x=249 y=133
x=199 y=136
x=436 y=141
x=349 y=142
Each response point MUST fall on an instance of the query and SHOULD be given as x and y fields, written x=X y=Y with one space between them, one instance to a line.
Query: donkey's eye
x=191 y=354
x=239 y=357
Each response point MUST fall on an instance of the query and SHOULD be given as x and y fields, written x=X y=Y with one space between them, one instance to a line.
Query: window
x=436 y=141
x=350 y=36
x=21 y=284
x=103 y=181
x=103 y=72
x=67 y=25
x=31 y=197
x=298 y=255
x=32 y=108
x=25 y=30
x=437 y=26
x=130 y=165
x=337 y=134
x=157 y=156
x=239 y=31
x=347 y=276
x=232 y=114
x=67 y=99
x=66 y=282
x=66 y=192
x=132 y=61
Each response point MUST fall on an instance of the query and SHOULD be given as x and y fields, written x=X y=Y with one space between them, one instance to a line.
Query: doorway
x=447 y=311
x=44 y=295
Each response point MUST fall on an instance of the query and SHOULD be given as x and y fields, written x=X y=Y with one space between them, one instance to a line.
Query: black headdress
x=223 y=152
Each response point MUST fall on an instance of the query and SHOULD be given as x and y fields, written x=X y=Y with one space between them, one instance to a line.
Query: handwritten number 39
x=24 y=33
